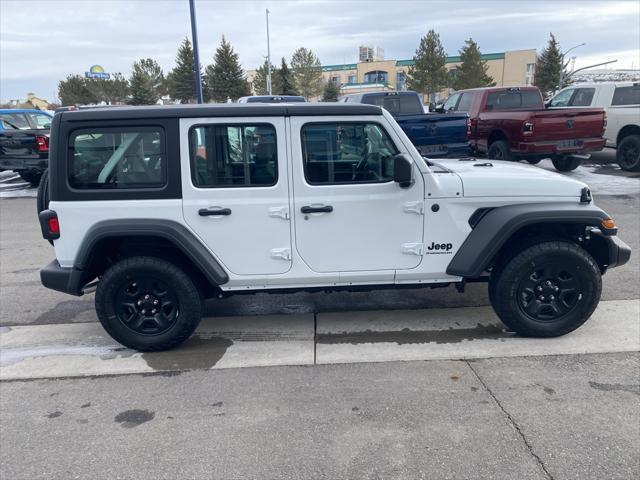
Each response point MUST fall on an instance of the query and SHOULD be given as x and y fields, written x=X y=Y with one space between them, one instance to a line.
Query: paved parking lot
x=387 y=384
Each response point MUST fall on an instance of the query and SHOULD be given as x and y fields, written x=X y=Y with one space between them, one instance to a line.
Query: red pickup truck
x=511 y=123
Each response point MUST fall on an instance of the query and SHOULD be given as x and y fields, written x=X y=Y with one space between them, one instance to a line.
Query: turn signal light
x=608 y=226
x=608 y=223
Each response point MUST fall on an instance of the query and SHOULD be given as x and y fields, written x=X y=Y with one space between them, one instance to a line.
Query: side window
x=117 y=158
x=233 y=155
x=583 y=97
x=626 y=95
x=451 y=102
x=349 y=152
x=14 y=121
x=563 y=98
x=464 y=105
x=41 y=120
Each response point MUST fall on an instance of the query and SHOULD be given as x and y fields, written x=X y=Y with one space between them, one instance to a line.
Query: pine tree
x=472 y=73
x=73 y=91
x=331 y=92
x=225 y=78
x=283 y=81
x=146 y=82
x=307 y=73
x=181 y=81
x=260 y=79
x=548 y=67
x=428 y=74
x=112 y=91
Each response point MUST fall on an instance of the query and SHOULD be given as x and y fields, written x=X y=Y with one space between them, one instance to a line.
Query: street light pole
x=196 y=56
x=562 y=64
x=268 y=58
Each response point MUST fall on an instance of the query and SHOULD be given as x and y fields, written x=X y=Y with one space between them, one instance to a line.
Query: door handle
x=216 y=211
x=318 y=209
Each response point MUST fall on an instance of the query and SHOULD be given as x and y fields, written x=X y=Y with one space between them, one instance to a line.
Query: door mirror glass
x=402 y=170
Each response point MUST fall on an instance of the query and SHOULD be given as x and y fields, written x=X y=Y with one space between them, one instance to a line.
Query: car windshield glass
x=14 y=121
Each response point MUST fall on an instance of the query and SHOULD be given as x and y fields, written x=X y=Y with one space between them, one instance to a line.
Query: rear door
x=349 y=214
x=235 y=191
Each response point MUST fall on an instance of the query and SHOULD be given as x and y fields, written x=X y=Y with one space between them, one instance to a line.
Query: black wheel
x=547 y=290
x=533 y=160
x=148 y=304
x=628 y=153
x=42 y=202
x=32 y=177
x=565 y=163
x=499 y=151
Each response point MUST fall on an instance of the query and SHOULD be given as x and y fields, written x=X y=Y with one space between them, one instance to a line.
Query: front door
x=349 y=213
x=235 y=191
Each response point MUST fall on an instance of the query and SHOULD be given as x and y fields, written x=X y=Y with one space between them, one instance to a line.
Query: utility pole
x=196 y=56
x=562 y=65
x=268 y=58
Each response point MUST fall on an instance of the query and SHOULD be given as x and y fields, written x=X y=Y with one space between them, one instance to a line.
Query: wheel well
x=626 y=131
x=496 y=135
x=541 y=232
x=111 y=250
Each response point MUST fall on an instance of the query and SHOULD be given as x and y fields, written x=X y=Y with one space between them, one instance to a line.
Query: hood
x=510 y=179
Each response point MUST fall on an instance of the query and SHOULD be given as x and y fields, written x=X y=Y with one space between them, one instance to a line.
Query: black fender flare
x=168 y=230
x=499 y=224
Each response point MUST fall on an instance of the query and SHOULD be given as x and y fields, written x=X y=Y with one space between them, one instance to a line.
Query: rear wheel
x=32 y=177
x=42 y=202
x=628 y=153
x=500 y=150
x=148 y=304
x=546 y=290
x=565 y=163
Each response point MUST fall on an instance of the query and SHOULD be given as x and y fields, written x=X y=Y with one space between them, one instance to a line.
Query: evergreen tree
x=225 y=78
x=146 y=82
x=331 y=92
x=73 y=91
x=307 y=73
x=548 y=67
x=111 y=91
x=260 y=79
x=181 y=81
x=428 y=74
x=283 y=81
x=472 y=72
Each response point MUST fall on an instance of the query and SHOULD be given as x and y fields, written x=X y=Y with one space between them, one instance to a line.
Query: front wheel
x=148 y=304
x=546 y=290
x=565 y=163
x=628 y=153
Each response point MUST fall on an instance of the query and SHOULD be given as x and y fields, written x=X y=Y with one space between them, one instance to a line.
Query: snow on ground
x=11 y=186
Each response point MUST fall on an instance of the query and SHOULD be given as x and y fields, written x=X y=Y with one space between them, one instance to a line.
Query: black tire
x=565 y=163
x=133 y=287
x=500 y=150
x=533 y=160
x=42 y=202
x=32 y=177
x=570 y=283
x=628 y=153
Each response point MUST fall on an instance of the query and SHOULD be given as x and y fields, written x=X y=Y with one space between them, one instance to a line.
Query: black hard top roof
x=220 y=110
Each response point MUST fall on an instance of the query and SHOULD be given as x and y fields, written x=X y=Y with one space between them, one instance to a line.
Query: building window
x=531 y=68
x=377 y=76
x=401 y=81
x=352 y=79
x=335 y=80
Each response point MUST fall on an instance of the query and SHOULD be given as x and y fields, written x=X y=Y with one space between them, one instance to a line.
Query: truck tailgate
x=564 y=124
x=434 y=129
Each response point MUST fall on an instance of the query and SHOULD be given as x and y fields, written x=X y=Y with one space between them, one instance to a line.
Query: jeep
x=159 y=208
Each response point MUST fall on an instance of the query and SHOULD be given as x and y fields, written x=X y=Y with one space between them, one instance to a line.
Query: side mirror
x=403 y=170
x=439 y=108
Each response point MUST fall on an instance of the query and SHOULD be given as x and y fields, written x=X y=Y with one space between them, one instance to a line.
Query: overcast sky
x=41 y=41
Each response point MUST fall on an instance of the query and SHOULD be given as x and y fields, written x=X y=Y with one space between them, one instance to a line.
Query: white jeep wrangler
x=160 y=208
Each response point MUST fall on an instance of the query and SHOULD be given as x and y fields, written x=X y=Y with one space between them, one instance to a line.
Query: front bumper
x=619 y=252
x=67 y=280
x=552 y=147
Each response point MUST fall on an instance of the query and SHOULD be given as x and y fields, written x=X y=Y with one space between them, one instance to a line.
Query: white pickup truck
x=621 y=101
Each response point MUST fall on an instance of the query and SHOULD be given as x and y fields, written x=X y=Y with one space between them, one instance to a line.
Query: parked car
x=434 y=135
x=621 y=101
x=511 y=123
x=304 y=197
x=272 y=99
x=24 y=142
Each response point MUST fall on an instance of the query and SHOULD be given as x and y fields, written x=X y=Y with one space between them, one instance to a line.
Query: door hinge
x=279 y=212
x=413 y=249
x=414 y=207
x=281 y=253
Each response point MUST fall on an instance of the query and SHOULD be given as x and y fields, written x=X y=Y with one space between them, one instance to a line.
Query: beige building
x=511 y=68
